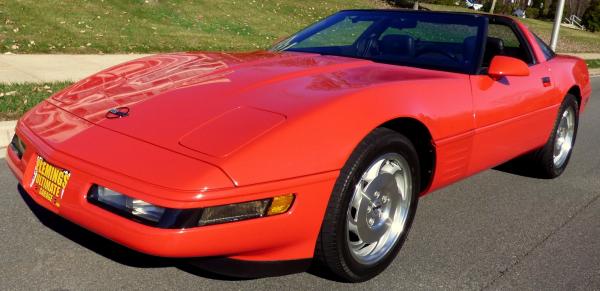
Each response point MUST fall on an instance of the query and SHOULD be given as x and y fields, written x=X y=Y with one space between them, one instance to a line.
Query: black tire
x=543 y=159
x=332 y=251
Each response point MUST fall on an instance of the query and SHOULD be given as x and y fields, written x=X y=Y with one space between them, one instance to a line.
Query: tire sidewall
x=391 y=142
x=548 y=157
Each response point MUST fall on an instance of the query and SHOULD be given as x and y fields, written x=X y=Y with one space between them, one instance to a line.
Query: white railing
x=574 y=21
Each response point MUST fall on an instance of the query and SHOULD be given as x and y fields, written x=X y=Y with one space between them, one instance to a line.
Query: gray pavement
x=494 y=231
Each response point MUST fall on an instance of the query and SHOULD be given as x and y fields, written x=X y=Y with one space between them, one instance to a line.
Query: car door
x=514 y=114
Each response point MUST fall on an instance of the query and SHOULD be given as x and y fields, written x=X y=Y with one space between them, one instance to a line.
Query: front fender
x=322 y=138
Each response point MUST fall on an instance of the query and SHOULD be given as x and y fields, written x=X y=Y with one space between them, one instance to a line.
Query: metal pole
x=557 y=20
x=493 y=6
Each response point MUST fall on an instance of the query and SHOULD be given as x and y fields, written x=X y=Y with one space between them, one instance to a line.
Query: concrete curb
x=7 y=130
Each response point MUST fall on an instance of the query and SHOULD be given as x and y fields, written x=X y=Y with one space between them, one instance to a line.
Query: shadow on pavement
x=108 y=248
x=521 y=166
x=126 y=256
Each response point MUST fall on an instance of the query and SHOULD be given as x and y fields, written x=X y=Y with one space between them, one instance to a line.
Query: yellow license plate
x=49 y=181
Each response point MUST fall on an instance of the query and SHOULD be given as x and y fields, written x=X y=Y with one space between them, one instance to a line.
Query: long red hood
x=215 y=103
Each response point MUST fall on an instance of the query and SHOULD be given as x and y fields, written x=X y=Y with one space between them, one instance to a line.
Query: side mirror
x=503 y=66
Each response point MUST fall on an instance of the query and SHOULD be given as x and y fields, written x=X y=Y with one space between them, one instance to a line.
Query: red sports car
x=313 y=152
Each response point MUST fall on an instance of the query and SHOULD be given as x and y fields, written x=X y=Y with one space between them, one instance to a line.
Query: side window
x=502 y=40
x=548 y=52
x=504 y=33
x=435 y=32
x=430 y=43
x=343 y=33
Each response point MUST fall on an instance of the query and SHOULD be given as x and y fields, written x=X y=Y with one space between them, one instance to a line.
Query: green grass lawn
x=593 y=64
x=124 y=26
x=16 y=99
x=570 y=40
x=117 y=26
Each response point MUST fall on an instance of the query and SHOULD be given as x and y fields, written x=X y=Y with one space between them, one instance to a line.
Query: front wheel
x=371 y=207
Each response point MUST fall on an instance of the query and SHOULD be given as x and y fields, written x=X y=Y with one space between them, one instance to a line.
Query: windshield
x=441 y=41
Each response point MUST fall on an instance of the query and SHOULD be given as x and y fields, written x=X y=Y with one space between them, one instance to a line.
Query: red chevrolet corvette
x=313 y=152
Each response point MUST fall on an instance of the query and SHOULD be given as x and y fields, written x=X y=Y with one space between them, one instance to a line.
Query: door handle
x=546 y=81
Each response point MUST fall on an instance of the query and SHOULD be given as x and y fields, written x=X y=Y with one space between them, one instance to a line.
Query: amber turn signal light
x=281 y=204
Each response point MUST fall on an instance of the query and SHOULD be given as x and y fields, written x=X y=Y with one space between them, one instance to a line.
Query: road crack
x=570 y=218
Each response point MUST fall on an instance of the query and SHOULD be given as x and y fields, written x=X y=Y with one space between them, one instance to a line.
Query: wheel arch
x=422 y=139
x=576 y=91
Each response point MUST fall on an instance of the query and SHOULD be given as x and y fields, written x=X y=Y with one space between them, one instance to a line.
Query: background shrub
x=445 y=2
x=591 y=17
x=532 y=12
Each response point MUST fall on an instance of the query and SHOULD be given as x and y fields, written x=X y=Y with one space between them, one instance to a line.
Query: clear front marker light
x=17 y=146
x=233 y=212
x=127 y=206
x=246 y=210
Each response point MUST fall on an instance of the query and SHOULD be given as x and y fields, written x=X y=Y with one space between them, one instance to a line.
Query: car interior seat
x=397 y=45
x=493 y=47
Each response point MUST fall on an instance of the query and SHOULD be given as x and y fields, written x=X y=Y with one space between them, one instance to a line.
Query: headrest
x=396 y=44
x=494 y=45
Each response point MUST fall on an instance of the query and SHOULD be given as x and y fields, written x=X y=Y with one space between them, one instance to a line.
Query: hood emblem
x=118 y=112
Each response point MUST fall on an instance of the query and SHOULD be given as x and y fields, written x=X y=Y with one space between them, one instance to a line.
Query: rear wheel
x=551 y=160
x=371 y=208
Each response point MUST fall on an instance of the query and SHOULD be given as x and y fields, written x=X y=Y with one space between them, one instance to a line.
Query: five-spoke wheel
x=565 y=133
x=378 y=208
x=371 y=207
x=551 y=160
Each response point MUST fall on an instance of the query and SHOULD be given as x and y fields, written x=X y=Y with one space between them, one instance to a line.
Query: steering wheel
x=437 y=51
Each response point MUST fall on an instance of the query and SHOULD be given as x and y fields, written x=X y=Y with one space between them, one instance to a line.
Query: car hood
x=211 y=104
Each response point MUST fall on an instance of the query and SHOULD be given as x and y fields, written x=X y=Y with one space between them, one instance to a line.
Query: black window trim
x=492 y=19
x=538 y=40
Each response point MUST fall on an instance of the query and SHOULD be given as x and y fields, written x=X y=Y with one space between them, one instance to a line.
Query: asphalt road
x=496 y=230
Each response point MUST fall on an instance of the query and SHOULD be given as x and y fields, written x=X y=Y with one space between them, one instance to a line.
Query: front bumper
x=289 y=236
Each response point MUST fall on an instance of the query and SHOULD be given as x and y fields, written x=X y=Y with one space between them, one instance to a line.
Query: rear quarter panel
x=569 y=73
